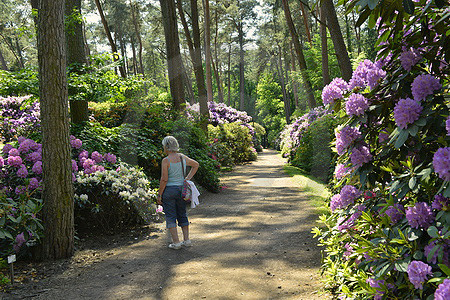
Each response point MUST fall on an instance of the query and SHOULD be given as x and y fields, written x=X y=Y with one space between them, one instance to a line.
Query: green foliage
x=18 y=218
x=232 y=143
x=20 y=83
x=374 y=240
x=270 y=107
x=314 y=153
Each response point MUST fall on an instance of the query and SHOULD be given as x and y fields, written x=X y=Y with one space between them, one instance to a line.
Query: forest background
x=226 y=78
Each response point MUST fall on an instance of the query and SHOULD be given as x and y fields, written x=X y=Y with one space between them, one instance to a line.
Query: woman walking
x=170 y=189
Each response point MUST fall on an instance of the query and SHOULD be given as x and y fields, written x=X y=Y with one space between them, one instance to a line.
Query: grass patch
x=312 y=186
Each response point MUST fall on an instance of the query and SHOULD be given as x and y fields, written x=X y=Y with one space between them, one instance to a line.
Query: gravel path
x=251 y=241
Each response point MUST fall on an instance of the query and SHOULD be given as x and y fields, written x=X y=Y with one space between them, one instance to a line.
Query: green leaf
x=432 y=252
x=412 y=182
x=402 y=137
x=402 y=265
x=444 y=269
x=433 y=232
x=409 y=6
x=363 y=17
x=413 y=129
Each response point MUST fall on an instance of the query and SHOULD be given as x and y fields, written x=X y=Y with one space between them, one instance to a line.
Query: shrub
x=20 y=191
x=388 y=235
x=19 y=116
x=234 y=139
x=113 y=198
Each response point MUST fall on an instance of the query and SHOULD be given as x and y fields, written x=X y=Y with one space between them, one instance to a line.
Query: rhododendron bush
x=388 y=236
x=102 y=185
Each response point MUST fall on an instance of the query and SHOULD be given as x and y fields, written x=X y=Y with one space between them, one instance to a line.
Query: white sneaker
x=187 y=243
x=175 y=246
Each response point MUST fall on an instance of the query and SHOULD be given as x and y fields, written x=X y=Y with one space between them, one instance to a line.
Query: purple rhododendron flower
x=13 y=152
x=345 y=137
x=88 y=163
x=37 y=168
x=26 y=146
x=34 y=156
x=395 y=212
x=420 y=215
x=409 y=57
x=424 y=85
x=443 y=291
x=83 y=154
x=2 y=162
x=444 y=247
x=335 y=202
x=349 y=193
x=406 y=111
x=97 y=157
x=440 y=202
x=20 y=190
x=6 y=149
x=34 y=184
x=22 y=172
x=341 y=171
x=345 y=223
x=356 y=105
x=74 y=166
x=418 y=273
x=76 y=143
x=441 y=163
x=349 y=250
x=111 y=158
x=360 y=156
x=331 y=93
x=15 y=161
x=366 y=74
x=20 y=240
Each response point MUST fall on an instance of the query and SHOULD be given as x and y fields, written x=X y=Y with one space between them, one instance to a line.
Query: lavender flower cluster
x=366 y=74
x=18 y=116
x=345 y=137
x=346 y=197
x=293 y=133
x=220 y=113
x=409 y=58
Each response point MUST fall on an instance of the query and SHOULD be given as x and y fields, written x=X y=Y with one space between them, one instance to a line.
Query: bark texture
x=76 y=57
x=57 y=215
x=301 y=58
x=338 y=40
x=174 y=61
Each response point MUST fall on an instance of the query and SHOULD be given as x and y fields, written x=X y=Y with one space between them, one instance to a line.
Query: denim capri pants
x=174 y=207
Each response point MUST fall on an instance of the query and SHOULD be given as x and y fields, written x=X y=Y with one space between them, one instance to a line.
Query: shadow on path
x=251 y=241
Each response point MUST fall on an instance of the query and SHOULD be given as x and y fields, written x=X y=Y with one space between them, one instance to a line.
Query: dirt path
x=252 y=241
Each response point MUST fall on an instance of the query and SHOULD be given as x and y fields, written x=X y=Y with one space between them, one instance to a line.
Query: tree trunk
x=229 y=74
x=287 y=106
x=300 y=56
x=188 y=85
x=305 y=22
x=198 y=66
x=216 y=65
x=3 y=62
x=110 y=39
x=135 y=64
x=137 y=31
x=324 y=44
x=338 y=41
x=294 y=83
x=76 y=58
x=208 y=72
x=241 y=67
x=174 y=62
x=57 y=212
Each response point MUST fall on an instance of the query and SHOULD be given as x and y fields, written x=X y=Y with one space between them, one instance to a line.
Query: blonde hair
x=170 y=143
